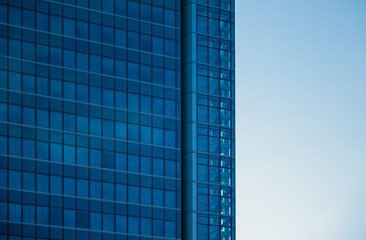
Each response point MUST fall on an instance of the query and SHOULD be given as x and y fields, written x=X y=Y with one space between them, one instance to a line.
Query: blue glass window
x=108 y=35
x=121 y=131
x=95 y=32
x=95 y=95
x=121 y=100
x=95 y=221
x=108 y=159
x=133 y=101
x=29 y=51
x=146 y=229
x=108 y=191
x=14 y=146
x=158 y=106
x=170 y=108
x=169 y=17
x=133 y=9
x=170 y=138
x=55 y=24
x=82 y=61
x=146 y=165
x=69 y=154
x=145 y=195
x=29 y=116
x=55 y=56
x=158 y=197
x=56 y=184
x=96 y=4
x=82 y=156
x=145 y=104
x=95 y=158
x=158 y=14
x=69 y=27
x=28 y=181
x=28 y=18
x=133 y=132
x=121 y=193
x=133 y=71
x=133 y=225
x=145 y=134
x=82 y=219
x=69 y=218
x=158 y=137
x=4 y=14
x=157 y=45
x=145 y=42
x=14 y=81
x=108 y=6
x=108 y=222
x=133 y=163
x=120 y=37
x=108 y=128
x=14 y=113
x=95 y=189
x=15 y=212
x=170 y=229
x=42 y=85
x=133 y=40
x=158 y=228
x=133 y=194
x=42 y=21
x=121 y=224
x=69 y=58
x=121 y=162
x=108 y=97
x=15 y=179
x=29 y=213
x=42 y=215
x=42 y=183
x=170 y=199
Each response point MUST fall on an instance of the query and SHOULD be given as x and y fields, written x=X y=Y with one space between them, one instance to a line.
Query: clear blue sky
x=301 y=119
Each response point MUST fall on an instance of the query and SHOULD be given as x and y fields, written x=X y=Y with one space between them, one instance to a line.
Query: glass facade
x=208 y=130
x=90 y=119
x=91 y=145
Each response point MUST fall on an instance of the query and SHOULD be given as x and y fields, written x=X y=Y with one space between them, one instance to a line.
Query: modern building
x=117 y=119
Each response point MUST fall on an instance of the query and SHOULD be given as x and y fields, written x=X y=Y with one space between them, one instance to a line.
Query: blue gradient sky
x=301 y=119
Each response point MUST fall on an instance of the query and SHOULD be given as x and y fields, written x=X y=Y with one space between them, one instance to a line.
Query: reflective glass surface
x=90 y=119
x=212 y=121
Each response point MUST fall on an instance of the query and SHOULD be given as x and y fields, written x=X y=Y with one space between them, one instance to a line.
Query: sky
x=301 y=119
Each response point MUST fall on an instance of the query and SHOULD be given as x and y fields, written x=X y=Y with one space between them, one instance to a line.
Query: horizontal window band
x=218 y=97
x=208 y=184
x=88 y=136
x=90 y=199
x=87 y=72
x=211 y=6
x=207 y=124
x=115 y=15
x=185 y=34
x=89 y=168
x=209 y=213
x=92 y=104
x=88 y=230
x=188 y=62
x=92 y=41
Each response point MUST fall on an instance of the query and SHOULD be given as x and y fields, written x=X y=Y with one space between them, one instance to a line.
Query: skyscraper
x=91 y=102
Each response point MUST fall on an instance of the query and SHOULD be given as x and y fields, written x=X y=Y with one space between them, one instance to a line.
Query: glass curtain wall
x=208 y=119
x=90 y=119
